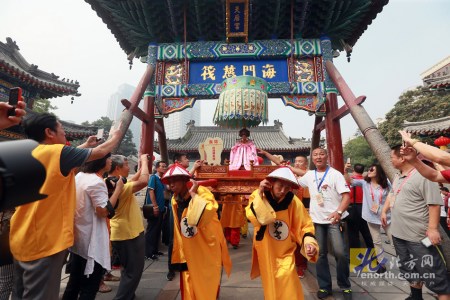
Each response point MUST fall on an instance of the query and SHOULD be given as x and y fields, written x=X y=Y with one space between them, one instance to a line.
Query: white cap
x=175 y=170
x=284 y=173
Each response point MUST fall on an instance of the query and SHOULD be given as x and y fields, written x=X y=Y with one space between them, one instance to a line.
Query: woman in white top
x=90 y=252
x=376 y=188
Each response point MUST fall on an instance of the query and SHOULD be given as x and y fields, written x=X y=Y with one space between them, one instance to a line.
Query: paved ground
x=239 y=286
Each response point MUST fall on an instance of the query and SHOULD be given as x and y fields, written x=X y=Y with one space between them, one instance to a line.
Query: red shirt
x=446 y=174
x=356 y=192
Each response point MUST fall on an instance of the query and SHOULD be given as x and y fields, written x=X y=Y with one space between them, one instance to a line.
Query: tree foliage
x=359 y=151
x=127 y=147
x=43 y=106
x=416 y=105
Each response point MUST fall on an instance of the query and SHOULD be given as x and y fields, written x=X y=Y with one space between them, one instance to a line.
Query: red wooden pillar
x=162 y=140
x=333 y=132
x=148 y=128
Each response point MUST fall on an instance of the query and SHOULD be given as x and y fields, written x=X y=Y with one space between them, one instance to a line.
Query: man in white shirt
x=329 y=201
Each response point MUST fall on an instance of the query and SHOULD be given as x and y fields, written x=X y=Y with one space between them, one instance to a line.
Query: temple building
x=438 y=76
x=269 y=138
x=35 y=84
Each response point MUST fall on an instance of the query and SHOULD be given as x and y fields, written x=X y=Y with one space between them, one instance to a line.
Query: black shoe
x=170 y=275
x=347 y=294
x=410 y=297
x=381 y=269
x=153 y=257
x=235 y=246
x=159 y=253
x=321 y=294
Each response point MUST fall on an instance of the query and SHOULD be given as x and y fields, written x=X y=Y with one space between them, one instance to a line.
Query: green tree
x=127 y=147
x=43 y=106
x=417 y=105
x=358 y=151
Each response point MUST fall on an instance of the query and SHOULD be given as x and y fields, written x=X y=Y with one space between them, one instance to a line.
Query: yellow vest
x=43 y=228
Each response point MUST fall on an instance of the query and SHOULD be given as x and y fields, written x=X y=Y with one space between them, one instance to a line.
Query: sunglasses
x=372 y=169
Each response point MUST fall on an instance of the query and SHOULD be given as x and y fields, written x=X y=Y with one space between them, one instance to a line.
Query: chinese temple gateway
x=242 y=52
x=35 y=84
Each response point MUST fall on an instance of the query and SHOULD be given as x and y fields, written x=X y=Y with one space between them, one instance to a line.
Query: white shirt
x=332 y=187
x=91 y=231
x=443 y=212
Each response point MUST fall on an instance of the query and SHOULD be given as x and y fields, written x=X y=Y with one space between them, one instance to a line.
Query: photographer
x=6 y=262
x=127 y=229
x=90 y=252
x=42 y=231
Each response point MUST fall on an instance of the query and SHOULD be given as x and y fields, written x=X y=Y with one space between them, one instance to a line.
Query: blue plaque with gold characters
x=237 y=19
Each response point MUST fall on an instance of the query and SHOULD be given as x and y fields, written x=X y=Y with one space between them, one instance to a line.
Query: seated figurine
x=243 y=152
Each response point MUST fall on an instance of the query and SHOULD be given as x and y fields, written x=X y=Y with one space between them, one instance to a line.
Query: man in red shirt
x=356 y=223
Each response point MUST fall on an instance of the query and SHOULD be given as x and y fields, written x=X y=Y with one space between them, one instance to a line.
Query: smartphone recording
x=15 y=94
x=100 y=134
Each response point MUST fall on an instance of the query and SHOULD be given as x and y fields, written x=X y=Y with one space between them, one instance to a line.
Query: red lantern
x=442 y=142
x=260 y=160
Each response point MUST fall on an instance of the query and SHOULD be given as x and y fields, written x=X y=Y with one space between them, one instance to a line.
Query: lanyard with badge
x=376 y=206
x=319 y=196
x=395 y=191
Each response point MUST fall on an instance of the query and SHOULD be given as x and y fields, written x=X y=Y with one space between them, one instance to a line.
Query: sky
x=67 y=38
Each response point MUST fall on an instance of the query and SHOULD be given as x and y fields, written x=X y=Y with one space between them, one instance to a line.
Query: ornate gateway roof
x=137 y=23
x=269 y=138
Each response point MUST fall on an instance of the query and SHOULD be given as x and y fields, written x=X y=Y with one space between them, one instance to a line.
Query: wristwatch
x=339 y=212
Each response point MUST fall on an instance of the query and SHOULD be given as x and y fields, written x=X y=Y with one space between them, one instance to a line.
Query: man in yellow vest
x=199 y=246
x=42 y=231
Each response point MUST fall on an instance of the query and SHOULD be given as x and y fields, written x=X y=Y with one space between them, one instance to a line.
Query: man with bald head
x=330 y=197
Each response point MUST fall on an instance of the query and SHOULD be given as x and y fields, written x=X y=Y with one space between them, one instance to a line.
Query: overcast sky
x=66 y=37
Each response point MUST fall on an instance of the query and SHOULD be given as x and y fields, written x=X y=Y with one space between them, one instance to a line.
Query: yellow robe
x=199 y=242
x=273 y=252
x=232 y=213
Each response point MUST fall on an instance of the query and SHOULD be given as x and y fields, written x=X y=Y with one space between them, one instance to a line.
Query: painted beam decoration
x=293 y=71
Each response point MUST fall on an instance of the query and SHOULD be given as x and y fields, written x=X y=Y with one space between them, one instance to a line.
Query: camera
x=21 y=175
x=111 y=187
x=115 y=179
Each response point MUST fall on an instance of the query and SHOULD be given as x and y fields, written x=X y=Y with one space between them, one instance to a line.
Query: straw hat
x=285 y=174
x=175 y=170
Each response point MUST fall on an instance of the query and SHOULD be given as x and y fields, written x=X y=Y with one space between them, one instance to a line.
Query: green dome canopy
x=242 y=102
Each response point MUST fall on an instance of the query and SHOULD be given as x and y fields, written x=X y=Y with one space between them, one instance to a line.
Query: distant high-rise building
x=115 y=108
x=175 y=124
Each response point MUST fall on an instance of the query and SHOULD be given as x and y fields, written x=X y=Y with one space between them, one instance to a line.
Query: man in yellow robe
x=232 y=219
x=280 y=223
x=199 y=246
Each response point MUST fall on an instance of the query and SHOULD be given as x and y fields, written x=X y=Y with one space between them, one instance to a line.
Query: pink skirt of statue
x=241 y=155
